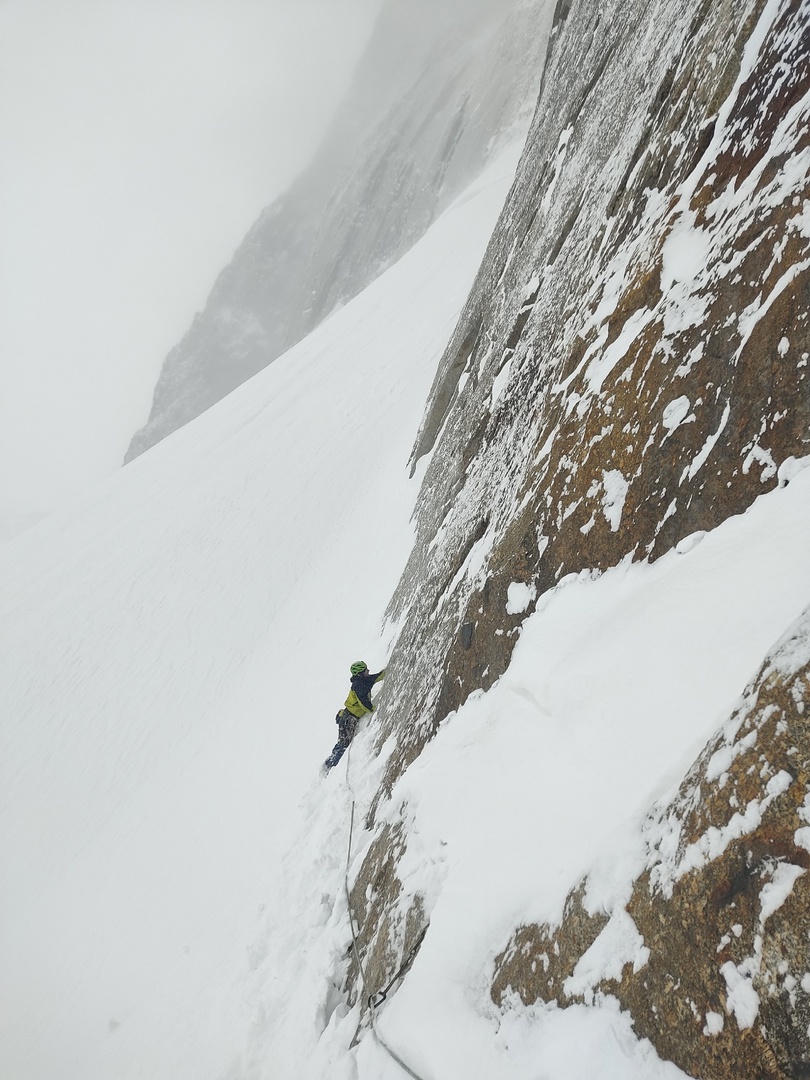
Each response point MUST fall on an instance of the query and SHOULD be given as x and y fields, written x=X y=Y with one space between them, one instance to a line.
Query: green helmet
x=358 y=668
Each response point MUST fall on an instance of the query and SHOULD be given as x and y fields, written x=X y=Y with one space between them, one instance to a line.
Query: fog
x=139 y=142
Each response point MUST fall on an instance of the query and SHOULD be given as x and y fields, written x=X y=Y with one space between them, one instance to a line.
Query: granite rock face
x=441 y=89
x=631 y=367
x=632 y=364
x=717 y=974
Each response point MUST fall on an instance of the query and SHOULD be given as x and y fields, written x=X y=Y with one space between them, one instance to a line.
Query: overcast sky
x=139 y=139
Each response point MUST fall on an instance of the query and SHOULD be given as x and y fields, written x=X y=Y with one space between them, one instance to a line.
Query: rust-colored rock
x=386 y=942
x=643 y=392
x=723 y=906
x=631 y=366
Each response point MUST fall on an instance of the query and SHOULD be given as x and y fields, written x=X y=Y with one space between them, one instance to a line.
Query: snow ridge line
x=369 y=997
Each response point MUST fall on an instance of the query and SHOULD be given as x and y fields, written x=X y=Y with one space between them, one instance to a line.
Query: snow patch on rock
x=714 y=1023
x=519 y=596
x=775 y=892
x=742 y=999
x=619 y=944
x=676 y=413
x=615 y=493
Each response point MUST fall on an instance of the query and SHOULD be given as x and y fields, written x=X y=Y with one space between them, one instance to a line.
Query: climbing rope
x=372 y=1000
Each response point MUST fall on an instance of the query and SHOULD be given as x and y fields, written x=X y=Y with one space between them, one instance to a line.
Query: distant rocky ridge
x=631 y=367
x=441 y=88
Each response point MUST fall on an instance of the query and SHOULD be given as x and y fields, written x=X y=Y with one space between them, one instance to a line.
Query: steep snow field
x=614 y=687
x=173 y=654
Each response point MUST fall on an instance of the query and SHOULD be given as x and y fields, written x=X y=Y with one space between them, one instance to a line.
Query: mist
x=140 y=141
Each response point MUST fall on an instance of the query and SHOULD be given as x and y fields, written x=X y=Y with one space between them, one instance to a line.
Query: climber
x=357 y=705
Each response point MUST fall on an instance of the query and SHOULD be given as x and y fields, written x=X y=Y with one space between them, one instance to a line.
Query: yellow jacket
x=359 y=700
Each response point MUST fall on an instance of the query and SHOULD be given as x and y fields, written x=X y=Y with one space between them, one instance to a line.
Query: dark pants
x=347 y=725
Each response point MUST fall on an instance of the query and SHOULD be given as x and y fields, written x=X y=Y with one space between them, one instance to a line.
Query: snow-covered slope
x=630 y=369
x=627 y=382
x=614 y=686
x=442 y=88
x=173 y=654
